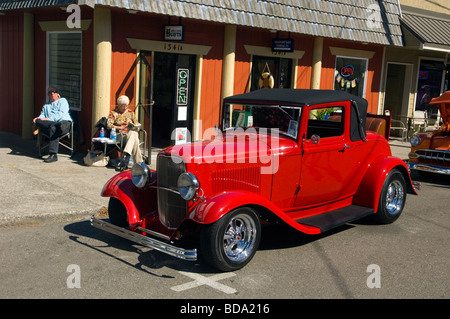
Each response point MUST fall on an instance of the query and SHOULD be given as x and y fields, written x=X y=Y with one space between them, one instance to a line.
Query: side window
x=64 y=65
x=326 y=122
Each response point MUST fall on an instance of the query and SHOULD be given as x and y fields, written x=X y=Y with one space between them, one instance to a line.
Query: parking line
x=211 y=281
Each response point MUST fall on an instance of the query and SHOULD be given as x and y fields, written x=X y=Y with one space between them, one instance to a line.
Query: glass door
x=268 y=72
x=166 y=96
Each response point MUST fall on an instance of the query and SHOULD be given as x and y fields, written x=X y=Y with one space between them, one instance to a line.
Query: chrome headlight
x=140 y=174
x=415 y=140
x=188 y=185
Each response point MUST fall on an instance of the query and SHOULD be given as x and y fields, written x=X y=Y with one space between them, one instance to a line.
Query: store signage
x=182 y=87
x=282 y=45
x=423 y=75
x=181 y=135
x=174 y=33
x=347 y=71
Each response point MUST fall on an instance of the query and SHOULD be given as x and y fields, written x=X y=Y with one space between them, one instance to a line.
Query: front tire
x=392 y=198
x=232 y=241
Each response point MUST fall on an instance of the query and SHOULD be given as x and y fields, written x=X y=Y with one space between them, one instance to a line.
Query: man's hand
x=42 y=118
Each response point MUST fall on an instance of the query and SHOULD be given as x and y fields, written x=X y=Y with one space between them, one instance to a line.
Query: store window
x=270 y=72
x=350 y=75
x=64 y=65
x=429 y=86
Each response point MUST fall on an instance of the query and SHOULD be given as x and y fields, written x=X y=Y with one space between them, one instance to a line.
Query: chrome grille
x=435 y=156
x=171 y=207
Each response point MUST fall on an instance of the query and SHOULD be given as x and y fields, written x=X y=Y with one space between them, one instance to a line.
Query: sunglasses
x=50 y=92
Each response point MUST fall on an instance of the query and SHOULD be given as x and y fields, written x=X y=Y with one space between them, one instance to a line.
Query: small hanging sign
x=282 y=45
x=174 y=33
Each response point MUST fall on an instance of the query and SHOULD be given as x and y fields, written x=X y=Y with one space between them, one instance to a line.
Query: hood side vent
x=246 y=178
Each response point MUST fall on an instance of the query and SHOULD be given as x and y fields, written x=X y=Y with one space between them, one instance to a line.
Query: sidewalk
x=36 y=192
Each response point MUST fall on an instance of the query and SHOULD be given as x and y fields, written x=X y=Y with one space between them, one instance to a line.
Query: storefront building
x=177 y=60
x=419 y=70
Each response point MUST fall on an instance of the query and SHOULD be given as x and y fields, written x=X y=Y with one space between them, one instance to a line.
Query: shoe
x=51 y=158
x=124 y=162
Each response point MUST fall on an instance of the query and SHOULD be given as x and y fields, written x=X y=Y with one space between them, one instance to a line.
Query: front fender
x=213 y=208
x=368 y=193
x=138 y=202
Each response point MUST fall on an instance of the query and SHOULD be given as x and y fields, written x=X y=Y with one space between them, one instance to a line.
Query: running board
x=335 y=218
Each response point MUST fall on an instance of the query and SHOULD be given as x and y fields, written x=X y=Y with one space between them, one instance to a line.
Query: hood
x=443 y=103
x=238 y=147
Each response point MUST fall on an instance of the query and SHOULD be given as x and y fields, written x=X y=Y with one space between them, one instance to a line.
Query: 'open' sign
x=182 y=86
x=347 y=70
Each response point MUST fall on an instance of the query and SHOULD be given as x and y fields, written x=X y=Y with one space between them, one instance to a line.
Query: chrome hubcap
x=394 y=197
x=239 y=238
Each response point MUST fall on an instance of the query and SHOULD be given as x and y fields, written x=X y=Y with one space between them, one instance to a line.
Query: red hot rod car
x=309 y=158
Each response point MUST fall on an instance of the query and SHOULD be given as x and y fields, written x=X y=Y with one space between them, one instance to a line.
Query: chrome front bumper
x=428 y=168
x=186 y=254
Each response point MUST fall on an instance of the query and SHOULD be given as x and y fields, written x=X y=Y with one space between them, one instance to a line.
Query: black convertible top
x=304 y=97
x=298 y=96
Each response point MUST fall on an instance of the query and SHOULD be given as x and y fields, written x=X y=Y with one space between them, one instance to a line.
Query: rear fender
x=368 y=193
x=213 y=208
x=138 y=202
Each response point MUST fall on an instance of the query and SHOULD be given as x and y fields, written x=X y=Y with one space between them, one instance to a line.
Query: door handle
x=345 y=147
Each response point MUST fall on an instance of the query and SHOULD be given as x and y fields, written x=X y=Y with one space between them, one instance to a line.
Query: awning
x=369 y=21
x=426 y=30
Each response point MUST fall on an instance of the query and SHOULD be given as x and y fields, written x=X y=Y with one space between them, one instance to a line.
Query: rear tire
x=117 y=213
x=392 y=198
x=232 y=241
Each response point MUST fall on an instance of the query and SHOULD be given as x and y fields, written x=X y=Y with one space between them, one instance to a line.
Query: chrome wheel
x=232 y=241
x=239 y=238
x=392 y=198
x=395 y=197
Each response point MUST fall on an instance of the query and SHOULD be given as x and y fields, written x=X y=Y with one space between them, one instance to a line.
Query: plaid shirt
x=117 y=119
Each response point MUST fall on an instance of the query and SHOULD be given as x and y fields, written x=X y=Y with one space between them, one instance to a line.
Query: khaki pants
x=132 y=146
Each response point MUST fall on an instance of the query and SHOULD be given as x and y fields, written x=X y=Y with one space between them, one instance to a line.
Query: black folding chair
x=65 y=140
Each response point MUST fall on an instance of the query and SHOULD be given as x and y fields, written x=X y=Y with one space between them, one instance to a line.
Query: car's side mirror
x=315 y=139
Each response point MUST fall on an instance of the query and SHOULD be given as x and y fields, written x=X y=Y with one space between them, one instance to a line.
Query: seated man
x=120 y=118
x=54 y=121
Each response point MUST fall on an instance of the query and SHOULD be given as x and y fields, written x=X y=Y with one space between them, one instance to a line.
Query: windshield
x=283 y=118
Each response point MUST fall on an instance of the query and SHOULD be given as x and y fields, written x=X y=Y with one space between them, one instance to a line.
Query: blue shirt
x=56 y=111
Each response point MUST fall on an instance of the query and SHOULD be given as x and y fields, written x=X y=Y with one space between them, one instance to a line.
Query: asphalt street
x=49 y=250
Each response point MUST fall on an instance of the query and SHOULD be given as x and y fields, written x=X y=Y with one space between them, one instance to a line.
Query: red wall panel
x=11 y=72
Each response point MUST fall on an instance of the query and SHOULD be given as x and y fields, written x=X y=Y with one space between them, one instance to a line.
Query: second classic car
x=430 y=151
x=312 y=159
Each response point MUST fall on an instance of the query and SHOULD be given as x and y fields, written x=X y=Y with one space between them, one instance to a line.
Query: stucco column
x=28 y=75
x=316 y=63
x=102 y=64
x=229 y=49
